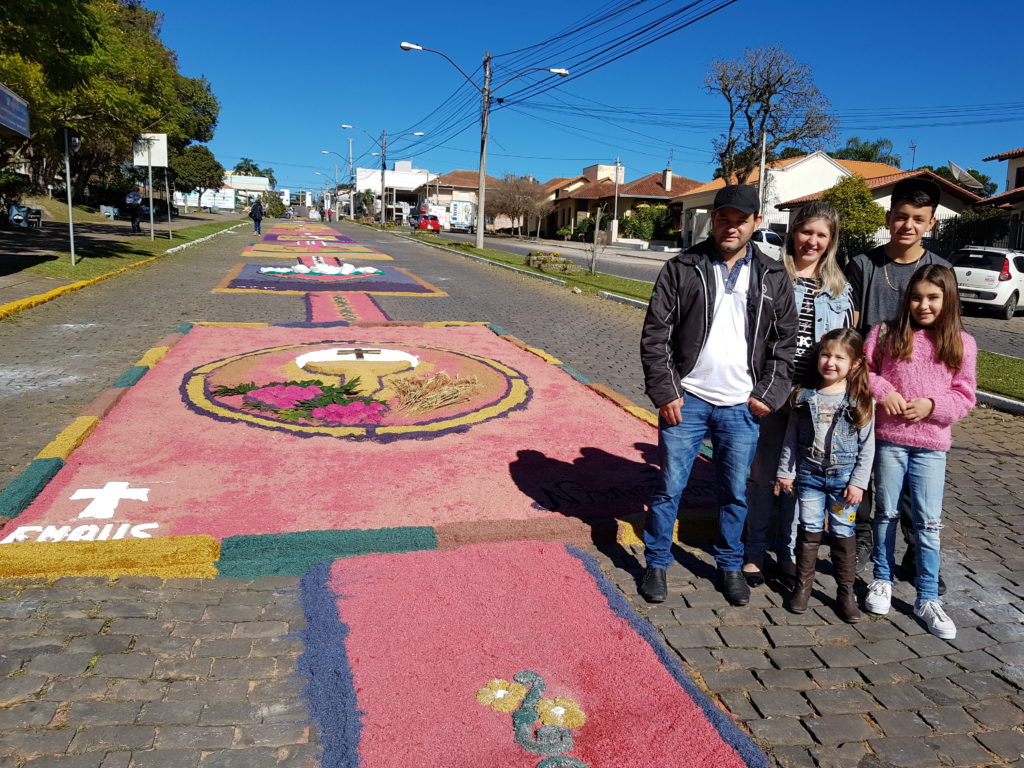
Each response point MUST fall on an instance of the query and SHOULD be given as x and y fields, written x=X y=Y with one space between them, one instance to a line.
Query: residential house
x=1012 y=198
x=580 y=197
x=953 y=201
x=786 y=179
x=455 y=185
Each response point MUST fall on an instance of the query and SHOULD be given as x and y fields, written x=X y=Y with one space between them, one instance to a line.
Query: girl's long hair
x=831 y=276
x=862 y=407
x=899 y=333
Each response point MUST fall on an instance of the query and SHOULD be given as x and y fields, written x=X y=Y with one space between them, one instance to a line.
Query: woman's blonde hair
x=832 y=280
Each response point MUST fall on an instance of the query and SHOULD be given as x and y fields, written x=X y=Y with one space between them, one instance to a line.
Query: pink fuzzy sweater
x=952 y=392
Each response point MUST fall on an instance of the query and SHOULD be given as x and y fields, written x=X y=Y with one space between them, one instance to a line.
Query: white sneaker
x=938 y=623
x=879 y=597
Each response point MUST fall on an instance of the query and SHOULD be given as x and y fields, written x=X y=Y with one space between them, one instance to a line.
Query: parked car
x=990 y=277
x=425 y=221
x=770 y=242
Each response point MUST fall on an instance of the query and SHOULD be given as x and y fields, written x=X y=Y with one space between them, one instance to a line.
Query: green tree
x=860 y=216
x=272 y=205
x=647 y=222
x=768 y=94
x=52 y=34
x=877 y=151
x=246 y=167
x=195 y=169
x=988 y=187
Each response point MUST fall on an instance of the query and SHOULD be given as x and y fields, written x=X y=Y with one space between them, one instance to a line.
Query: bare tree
x=768 y=93
x=514 y=197
x=596 y=247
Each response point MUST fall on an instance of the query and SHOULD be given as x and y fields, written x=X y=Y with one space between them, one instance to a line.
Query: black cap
x=742 y=197
x=904 y=188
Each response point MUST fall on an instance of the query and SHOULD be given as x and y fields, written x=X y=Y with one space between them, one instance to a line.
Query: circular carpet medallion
x=280 y=384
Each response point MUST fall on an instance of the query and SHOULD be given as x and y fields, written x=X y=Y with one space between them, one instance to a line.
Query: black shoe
x=753 y=578
x=734 y=587
x=653 y=588
x=863 y=553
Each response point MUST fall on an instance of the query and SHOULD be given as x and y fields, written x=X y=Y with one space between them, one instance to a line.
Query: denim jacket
x=830 y=312
x=848 y=446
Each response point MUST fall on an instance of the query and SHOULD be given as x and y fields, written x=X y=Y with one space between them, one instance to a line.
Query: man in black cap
x=717 y=349
x=878 y=280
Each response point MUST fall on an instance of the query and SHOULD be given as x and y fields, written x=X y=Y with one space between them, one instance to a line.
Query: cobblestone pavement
x=144 y=672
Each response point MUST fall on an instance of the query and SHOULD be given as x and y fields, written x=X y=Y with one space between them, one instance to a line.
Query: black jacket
x=679 y=318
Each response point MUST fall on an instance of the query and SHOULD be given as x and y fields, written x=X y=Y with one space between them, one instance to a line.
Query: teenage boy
x=878 y=280
x=717 y=350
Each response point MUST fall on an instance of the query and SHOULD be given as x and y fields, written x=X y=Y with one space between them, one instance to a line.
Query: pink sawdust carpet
x=502 y=654
x=531 y=444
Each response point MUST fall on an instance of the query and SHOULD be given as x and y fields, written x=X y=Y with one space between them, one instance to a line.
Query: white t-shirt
x=722 y=375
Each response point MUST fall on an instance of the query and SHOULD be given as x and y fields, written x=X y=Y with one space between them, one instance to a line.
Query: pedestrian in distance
x=922 y=374
x=717 y=351
x=256 y=214
x=823 y=303
x=330 y=215
x=878 y=280
x=133 y=200
x=826 y=463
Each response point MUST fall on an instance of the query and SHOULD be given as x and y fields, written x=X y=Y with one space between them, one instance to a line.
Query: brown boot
x=806 y=563
x=844 y=563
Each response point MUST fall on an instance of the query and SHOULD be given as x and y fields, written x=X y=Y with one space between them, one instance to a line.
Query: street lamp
x=485 y=113
x=383 y=144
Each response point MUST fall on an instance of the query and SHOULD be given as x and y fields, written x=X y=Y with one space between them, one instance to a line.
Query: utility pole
x=760 y=178
x=613 y=229
x=67 y=184
x=481 y=219
x=351 y=184
x=913 y=155
x=383 y=170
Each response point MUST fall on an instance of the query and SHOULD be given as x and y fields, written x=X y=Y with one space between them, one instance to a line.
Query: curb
x=6 y=310
x=623 y=299
x=1000 y=403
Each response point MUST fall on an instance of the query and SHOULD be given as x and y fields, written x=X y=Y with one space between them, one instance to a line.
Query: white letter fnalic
x=105 y=500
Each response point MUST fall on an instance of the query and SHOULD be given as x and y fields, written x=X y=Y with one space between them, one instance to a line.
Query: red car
x=425 y=221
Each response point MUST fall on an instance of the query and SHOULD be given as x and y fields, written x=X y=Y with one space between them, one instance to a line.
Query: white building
x=400 y=183
x=223 y=198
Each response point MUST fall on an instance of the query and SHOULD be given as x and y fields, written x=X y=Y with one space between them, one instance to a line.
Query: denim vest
x=829 y=312
x=843 y=435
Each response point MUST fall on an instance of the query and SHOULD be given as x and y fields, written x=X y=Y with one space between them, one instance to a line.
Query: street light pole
x=351 y=184
x=383 y=171
x=485 y=113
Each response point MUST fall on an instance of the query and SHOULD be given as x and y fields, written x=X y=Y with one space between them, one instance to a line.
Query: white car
x=990 y=277
x=770 y=242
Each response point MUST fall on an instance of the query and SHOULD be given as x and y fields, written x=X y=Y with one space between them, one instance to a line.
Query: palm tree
x=878 y=151
x=247 y=167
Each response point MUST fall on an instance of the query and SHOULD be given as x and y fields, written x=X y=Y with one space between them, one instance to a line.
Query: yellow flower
x=560 y=711
x=501 y=696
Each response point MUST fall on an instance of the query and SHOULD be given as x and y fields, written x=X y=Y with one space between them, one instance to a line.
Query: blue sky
x=944 y=76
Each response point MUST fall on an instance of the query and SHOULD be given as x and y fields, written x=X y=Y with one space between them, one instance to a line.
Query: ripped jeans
x=924 y=471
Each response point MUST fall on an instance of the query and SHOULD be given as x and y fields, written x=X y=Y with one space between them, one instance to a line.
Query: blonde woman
x=824 y=303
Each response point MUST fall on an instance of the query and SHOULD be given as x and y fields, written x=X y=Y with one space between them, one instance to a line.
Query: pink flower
x=282 y=396
x=353 y=413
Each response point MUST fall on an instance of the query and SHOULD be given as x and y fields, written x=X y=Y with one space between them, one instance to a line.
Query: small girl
x=922 y=367
x=828 y=450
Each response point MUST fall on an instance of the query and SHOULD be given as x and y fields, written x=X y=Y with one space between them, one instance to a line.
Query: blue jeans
x=733 y=431
x=761 y=498
x=819 y=492
x=924 y=472
x=256 y=226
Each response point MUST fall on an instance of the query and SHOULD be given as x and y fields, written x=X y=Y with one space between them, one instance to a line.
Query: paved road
x=191 y=673
x=993 y=334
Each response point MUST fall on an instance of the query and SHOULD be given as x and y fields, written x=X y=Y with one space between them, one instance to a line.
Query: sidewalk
x=197 y=673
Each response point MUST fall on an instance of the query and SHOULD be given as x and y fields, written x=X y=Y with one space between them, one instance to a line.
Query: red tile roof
x=1006 y=198
x=652 y=185
x=462 y=178
x=1006 y=155
x=556 y=183
x=594 y=190
x=892 y=178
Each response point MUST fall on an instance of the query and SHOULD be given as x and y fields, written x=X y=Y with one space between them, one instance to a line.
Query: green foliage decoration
x=860 y=216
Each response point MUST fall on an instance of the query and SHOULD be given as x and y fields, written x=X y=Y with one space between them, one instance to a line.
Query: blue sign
x=13 y=113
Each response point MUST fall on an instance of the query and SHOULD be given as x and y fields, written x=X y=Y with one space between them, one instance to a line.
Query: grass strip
x=109 y=256
x=1001 y=375
x=585 y=281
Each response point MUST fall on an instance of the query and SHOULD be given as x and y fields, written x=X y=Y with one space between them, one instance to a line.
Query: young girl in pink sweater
x=922 y=373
